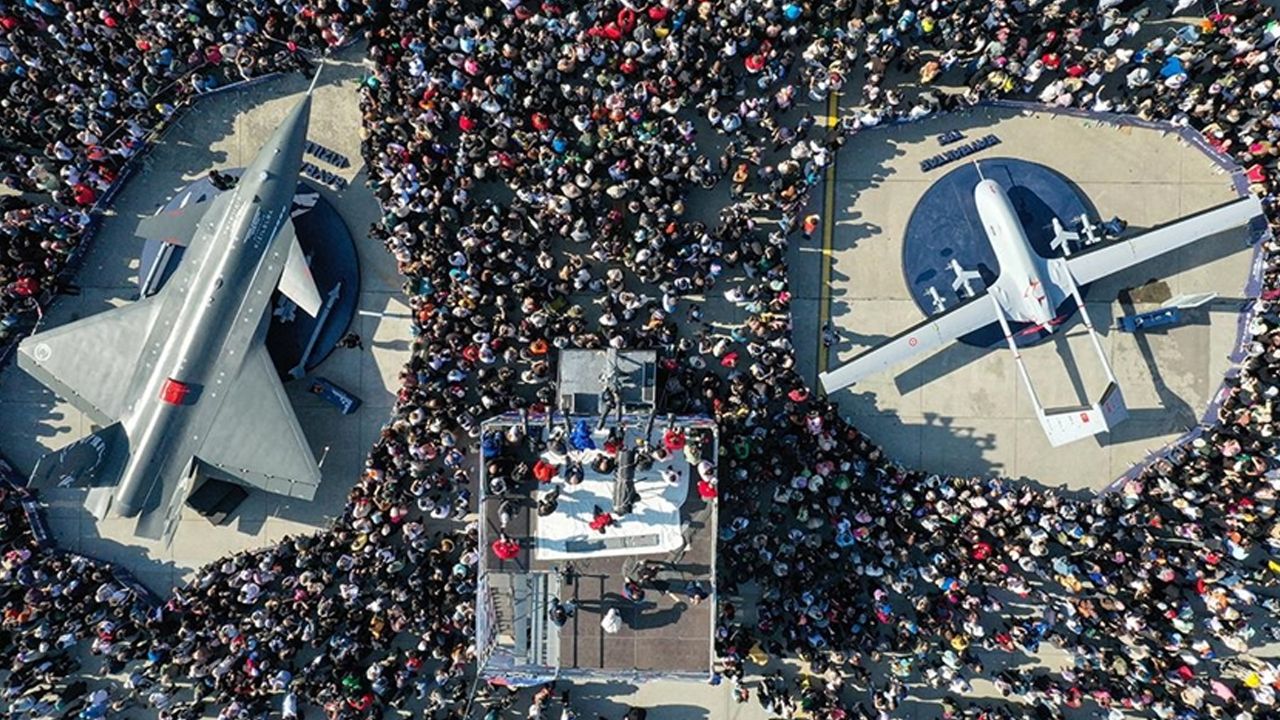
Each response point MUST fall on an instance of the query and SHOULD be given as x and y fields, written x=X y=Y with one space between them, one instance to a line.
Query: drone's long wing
x=933 y=333
x=1110 y=258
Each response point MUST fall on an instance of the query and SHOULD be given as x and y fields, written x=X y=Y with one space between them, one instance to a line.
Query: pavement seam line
x=824 y=271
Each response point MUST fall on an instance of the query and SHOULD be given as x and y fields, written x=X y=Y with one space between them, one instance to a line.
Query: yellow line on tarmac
x=828 y=216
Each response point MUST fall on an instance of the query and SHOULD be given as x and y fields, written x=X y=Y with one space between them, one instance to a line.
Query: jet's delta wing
x=255 y=436
x=93 y=361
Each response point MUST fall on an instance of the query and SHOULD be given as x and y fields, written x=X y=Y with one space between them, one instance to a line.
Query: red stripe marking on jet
x=174 y=392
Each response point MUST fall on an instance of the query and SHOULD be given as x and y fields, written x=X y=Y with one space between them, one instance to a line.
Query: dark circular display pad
x=945 y=225
x=325 y=239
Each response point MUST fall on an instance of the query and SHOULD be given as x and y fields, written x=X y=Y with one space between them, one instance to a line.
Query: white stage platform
x=652 y=527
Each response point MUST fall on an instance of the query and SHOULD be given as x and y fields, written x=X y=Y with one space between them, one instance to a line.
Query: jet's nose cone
x=286 y=145
x=301 y=113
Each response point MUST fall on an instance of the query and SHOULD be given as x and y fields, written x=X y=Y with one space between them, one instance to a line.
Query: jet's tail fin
x=295 y=280
x=99 y=500
x=95 y=461
x=1112 y=406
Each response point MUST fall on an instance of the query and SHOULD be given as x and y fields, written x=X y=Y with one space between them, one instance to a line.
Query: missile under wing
x=181 y=380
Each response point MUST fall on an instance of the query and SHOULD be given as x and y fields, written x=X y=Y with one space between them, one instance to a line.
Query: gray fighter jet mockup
x=181 y=380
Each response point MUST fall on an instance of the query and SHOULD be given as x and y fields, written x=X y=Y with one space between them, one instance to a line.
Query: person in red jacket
x=707 y=491
x=505 y=548
x=543 y=471
x=601 y=521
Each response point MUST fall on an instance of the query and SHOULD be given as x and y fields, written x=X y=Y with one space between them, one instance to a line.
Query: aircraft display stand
x=298 y=342
x=944 y=231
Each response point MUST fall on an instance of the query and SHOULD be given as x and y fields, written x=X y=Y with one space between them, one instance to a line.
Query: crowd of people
x=310 y=621
x=543 y=170
x=36 y=240
x=84 y=87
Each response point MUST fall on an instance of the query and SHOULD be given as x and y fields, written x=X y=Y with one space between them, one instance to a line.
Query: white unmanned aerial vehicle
x=1021 y=294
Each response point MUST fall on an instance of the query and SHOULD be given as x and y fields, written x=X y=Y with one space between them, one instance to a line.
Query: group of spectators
x=309 y=622
x=36 y=239
x=83 y=87
x=544 y=171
